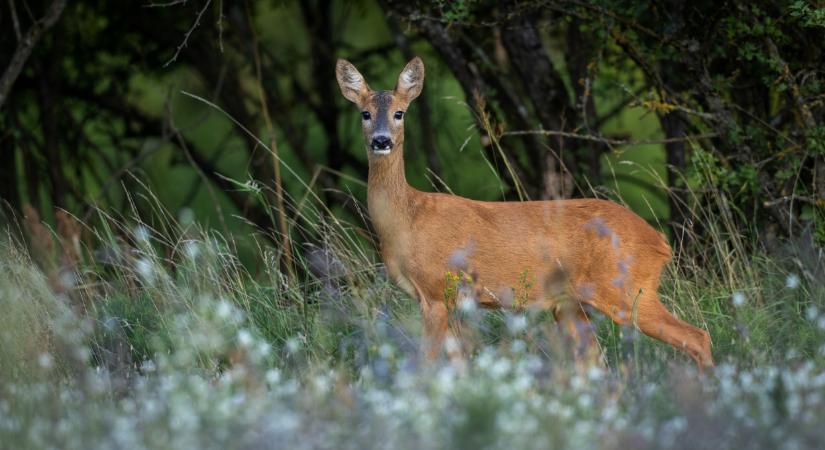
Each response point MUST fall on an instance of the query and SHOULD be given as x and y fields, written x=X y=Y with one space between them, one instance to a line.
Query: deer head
x=382 y=112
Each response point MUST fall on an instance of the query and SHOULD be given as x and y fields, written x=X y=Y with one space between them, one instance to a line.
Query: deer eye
x=399 y=115
x=366 y=115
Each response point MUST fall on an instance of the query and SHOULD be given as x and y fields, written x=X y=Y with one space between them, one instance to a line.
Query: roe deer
x=603 y=254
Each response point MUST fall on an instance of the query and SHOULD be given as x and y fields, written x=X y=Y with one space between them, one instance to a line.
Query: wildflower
x=595 y=373
x=500 y=368
x=252 y=186
x=467 y=305
x=322 y=383
x=792 y=281
x=224 y=309
x=451 y=344
x=516 y=324
x=518 y=346
x=738 y=299
x=191 y=249
x=45 y=361
x=273 y=376
x=245 y=338
x=821 y=322
x=148 y=366
x=144 y=268
x=293 y=344
x=264 y=349
x=385 y=350
x=142 y=233
x=812 y=313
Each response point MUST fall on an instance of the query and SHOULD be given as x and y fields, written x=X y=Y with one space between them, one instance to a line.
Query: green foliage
x=807 y=14
x=455 y=11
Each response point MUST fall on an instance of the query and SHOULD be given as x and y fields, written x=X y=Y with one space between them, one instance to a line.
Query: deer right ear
x=352 y=83
x=411 y=80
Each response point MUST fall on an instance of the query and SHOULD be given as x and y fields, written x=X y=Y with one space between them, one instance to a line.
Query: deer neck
x=388 y=196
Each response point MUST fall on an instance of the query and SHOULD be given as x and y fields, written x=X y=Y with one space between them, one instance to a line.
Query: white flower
x=500 y=368
x=245 y=338
x=148 y=366
x=792 y=281
x=142 y=233
x=273 y=376
x=738 y=299
x=264 y=349
x=145 y=268
x=385 y=350
x=322 y=383
x=251 y=185
x=812 y=313
x=293 y=344
x=516 y=324
x=595 y=373
x=518 y=346
x=191 y=249
x=467 y=305
x=451 y=344
x=45 y=360
x=224 y=309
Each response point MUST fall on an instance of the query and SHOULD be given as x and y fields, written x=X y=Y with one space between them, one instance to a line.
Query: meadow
x=156 y=336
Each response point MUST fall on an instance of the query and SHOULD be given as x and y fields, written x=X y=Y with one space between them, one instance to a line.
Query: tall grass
x=129 y=334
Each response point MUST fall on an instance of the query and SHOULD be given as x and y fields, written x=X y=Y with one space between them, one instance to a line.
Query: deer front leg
x=436 y=323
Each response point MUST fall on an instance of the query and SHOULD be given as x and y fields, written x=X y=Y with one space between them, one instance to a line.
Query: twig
x=165 y=5
x=220 y=25
x=191 y=29
x=15 y=21
x=606 y=141
x=790 y=198
x=25 y=47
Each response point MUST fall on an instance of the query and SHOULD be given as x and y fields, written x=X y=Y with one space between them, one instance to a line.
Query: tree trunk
x=547 y=93
x=674 y=127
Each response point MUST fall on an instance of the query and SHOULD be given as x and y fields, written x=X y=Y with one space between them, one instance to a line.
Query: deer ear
x=352 y=83
x=411 y=80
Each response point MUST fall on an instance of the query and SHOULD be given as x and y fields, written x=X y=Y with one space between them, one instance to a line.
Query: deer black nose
x=381 y=143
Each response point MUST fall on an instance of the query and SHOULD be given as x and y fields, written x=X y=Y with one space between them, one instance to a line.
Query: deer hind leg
x=654 y=320
x=657 y=322
x=579 y=331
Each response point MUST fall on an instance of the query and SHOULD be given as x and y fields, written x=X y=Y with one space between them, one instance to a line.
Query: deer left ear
x=351 y=82
x=411 y=80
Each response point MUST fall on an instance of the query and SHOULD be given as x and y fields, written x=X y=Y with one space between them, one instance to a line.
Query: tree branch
x=25 y=47
x=586 y=137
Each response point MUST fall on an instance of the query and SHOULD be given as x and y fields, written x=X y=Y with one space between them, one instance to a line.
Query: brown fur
x=580 y=252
